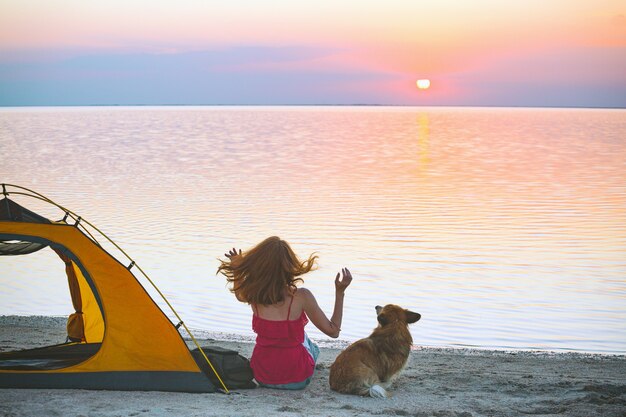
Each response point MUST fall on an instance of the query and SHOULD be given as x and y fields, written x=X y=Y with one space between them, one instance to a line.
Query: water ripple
x=503 y=227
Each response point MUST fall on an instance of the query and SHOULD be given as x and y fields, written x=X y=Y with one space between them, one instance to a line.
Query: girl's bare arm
x=330 y=327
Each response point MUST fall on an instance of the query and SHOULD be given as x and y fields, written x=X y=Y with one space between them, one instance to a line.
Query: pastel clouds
x=485 y=52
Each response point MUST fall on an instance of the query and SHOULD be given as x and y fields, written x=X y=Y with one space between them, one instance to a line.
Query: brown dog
x=370 y=365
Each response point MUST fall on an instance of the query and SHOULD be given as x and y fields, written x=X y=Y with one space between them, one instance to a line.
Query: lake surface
x=504 y=228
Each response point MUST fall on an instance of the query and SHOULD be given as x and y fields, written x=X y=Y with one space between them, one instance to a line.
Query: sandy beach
x=436 y=382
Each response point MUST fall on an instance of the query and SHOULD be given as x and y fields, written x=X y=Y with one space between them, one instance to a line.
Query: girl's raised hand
x=341 y=285
x=232 y=252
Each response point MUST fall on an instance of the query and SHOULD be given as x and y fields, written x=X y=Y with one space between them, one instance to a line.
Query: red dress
x=279 y=357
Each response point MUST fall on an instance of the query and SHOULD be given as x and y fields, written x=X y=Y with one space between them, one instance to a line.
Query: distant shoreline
x=319 y=105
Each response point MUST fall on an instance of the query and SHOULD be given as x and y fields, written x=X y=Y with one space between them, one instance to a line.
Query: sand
x=437 y=382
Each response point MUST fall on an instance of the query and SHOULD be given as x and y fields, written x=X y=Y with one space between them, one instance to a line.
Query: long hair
x=261 y=274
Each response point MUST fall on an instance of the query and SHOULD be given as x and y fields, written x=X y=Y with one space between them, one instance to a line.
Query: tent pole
x=6 y=195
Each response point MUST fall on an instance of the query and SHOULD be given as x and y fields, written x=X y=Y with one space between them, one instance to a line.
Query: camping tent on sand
x=118 y=338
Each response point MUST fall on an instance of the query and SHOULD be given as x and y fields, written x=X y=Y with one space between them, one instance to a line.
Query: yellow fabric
x=75 y=324
x=137 y=335
x=76 y=327
x=92 y=318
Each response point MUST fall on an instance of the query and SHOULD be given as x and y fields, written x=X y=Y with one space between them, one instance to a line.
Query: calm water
x=504 y=228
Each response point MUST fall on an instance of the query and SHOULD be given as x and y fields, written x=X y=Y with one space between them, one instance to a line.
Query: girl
x=265 y=277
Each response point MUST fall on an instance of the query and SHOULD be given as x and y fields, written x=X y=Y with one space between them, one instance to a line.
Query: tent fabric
x=91 y=315
x=112 y=380
x=86 y=324
x=75 y=323
x=140 y=349
x=11 y=211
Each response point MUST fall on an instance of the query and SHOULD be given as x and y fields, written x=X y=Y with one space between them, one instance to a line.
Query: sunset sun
x=423 y=84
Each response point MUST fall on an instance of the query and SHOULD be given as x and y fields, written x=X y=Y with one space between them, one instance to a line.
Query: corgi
x=369 y=366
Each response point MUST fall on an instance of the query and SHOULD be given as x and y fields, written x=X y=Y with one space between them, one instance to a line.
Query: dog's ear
x=412 y=317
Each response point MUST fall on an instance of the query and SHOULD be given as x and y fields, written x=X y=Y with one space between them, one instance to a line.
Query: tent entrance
x=85 y=325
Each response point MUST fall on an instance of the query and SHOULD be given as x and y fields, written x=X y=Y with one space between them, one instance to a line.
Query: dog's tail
x=376 y=391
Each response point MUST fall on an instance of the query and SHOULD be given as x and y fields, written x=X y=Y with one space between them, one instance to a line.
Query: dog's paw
x=376 y=391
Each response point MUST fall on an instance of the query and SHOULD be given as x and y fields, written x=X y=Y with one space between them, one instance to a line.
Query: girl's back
x=289 y=309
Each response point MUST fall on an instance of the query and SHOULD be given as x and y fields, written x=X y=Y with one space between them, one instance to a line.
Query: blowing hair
x=261 y=274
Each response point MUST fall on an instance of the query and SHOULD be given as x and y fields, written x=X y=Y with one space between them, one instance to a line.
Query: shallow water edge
x=50 y=323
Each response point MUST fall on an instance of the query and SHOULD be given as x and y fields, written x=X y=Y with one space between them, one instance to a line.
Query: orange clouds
x=373 y=46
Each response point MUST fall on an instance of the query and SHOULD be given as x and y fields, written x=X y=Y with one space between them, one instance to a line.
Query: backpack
x=233 y=368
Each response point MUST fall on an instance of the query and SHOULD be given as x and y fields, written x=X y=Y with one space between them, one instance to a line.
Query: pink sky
x=480 y=52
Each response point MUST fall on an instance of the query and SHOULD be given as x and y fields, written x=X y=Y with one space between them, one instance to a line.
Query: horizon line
x=319 y=105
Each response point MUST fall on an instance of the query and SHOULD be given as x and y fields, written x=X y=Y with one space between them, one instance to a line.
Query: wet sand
x=436 y=382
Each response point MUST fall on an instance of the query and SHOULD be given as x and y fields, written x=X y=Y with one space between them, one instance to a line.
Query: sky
x=553 y=53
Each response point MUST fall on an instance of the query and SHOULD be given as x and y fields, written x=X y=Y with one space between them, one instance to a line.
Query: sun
x=423 y=84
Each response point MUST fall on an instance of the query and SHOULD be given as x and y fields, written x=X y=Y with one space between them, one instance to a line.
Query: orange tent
x=118 y=338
